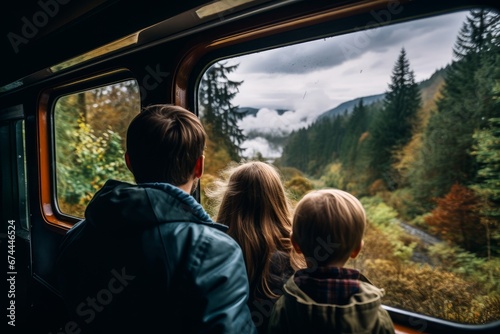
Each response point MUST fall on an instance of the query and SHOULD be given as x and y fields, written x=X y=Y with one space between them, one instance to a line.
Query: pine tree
x=487 y=154
x=392 y=127
x=479 y=34
x=296 y=151
x=215 y=95
x=465 y=106
x=356 y=125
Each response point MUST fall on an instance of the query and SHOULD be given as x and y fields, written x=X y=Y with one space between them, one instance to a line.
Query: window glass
x=90 y=132
x=405 y=117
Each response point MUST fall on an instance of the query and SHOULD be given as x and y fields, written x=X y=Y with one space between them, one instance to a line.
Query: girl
x=252 y=202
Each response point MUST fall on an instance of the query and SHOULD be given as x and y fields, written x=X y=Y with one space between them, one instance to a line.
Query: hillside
x=277 y=129
x=429 y=90
x=349 y=105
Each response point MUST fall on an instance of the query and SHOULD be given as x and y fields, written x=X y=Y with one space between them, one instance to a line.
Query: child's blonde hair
x=328 y=225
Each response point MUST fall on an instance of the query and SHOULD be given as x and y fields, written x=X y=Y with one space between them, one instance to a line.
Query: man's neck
x=187 y=187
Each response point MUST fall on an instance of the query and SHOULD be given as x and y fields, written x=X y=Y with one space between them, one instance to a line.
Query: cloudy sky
x=312 y=77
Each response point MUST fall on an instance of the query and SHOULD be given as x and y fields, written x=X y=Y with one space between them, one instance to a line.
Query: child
x=254 y=205
x=328 y=228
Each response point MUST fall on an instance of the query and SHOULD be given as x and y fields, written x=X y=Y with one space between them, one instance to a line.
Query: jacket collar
x=121 y=207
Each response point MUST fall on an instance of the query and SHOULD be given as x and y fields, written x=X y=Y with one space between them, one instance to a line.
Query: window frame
x=311 y=27
x=51 y=213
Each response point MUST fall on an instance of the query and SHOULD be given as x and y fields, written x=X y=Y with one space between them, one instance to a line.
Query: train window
x=90 y=129
x=406 y=117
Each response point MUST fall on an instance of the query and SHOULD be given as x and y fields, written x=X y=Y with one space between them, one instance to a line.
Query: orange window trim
x=47 y=205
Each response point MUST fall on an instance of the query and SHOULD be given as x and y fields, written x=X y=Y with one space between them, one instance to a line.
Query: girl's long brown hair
x=254 y=205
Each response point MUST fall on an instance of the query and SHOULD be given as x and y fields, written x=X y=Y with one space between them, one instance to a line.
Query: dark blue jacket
x=148 y=259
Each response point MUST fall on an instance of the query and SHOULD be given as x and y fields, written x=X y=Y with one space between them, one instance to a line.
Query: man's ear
x=199 y=167
x=127 y=161
x=295 y=244
x=357 y=250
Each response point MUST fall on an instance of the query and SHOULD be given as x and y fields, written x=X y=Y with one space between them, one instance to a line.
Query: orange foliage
x=363 y=136
x=456 y=218
x=376 y=187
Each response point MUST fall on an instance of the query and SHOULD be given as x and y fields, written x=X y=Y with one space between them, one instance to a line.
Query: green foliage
x=385 y=219
x=333 y=177
x=93 y=160
x=298 y=186
x=466 y=104
x=379 y=213
x=455 y=258
x=487 y=152
x=215 y=95
x=392 y=127
x=289 y=172
x=470 y=266
x=89 y=141
x=402 y=201
x=338 y=140
x=311 y=149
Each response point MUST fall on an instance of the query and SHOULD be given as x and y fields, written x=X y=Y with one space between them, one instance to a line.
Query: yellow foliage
x=207 y=202
x=421 y=288
x=298 y=186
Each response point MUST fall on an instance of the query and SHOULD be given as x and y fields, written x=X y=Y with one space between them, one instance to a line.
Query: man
x=147 y=258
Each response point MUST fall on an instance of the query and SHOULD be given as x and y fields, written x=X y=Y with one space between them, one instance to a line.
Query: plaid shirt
x=329 y=285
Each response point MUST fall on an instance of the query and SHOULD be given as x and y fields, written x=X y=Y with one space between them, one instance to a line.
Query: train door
x=14 y=213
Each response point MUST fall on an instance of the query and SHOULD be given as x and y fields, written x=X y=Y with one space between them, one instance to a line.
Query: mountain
x=250 y=111
x=429 y=90
x=247 y=111
x=275 y=139
x=349 y=105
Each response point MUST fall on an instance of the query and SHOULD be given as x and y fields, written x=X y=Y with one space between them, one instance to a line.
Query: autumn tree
x=456 y=219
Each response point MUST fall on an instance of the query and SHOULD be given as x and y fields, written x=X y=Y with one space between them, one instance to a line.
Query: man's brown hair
x=163 y=144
